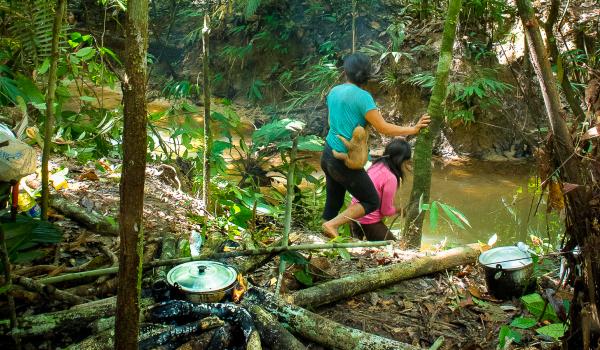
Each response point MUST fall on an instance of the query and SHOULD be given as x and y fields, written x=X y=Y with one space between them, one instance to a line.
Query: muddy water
x=495 y=198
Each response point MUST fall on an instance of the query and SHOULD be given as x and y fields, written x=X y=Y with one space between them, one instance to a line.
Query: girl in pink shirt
x=386 y=173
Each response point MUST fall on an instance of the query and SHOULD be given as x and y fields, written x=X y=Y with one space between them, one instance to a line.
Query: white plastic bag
x=17 y=159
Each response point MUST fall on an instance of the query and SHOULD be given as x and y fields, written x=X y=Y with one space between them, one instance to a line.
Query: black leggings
x=340 y=179
x=372 y=232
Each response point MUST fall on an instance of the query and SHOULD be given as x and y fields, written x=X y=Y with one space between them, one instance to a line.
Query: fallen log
x=379 y=277
x=318 y=328
x=90 y=220
x=211 y=256
x=272 y=332
x=49 y=291
x=78 y=317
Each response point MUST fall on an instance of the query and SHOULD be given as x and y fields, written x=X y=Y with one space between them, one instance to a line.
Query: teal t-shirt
x=348 y=104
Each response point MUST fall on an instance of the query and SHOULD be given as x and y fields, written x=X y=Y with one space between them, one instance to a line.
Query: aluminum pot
x=508 y=271
x=202 y=281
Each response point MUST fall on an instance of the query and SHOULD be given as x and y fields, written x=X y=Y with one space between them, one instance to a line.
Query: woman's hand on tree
x=423 y=122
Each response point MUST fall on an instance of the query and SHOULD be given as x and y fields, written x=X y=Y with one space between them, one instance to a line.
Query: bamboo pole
x=58 y=294
x=50 y=94
x=262 y=251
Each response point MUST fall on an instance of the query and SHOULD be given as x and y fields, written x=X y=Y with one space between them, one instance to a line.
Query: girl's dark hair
x=357 y=68
x=396 y=152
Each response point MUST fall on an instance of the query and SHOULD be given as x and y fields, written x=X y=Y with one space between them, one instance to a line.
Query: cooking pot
x=203 y=281
x=508 y=271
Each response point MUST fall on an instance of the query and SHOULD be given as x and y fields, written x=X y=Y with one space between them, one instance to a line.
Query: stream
x=495 y=197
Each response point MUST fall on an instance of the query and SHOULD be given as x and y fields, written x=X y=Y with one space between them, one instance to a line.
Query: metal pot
x=508 y=271
x=203 y=281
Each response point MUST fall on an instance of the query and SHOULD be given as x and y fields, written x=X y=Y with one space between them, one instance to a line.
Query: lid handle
x=201 y=269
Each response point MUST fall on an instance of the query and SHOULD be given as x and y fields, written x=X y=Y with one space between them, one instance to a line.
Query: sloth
x=357 y=155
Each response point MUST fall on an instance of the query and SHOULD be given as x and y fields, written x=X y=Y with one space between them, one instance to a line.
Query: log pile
x=277 y=322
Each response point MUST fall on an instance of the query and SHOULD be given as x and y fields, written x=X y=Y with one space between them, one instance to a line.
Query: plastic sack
x=17 y=159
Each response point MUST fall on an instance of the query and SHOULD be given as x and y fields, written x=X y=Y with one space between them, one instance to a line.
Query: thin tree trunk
x=580 y=230
x=423 y=148
x=354 y=26
x=50 y=94
x=564 y=80
x=131 y=230
x=207 y=132
x=289 y=202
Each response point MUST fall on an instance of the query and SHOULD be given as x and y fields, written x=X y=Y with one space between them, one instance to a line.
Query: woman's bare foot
x=329 y=230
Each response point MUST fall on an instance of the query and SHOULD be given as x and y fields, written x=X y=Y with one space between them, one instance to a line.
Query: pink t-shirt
x=386 y=185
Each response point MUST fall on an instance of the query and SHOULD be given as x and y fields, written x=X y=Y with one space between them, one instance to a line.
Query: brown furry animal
x=358 y=153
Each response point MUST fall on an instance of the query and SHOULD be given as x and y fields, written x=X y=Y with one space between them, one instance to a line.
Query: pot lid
x=509 y=258
x=202 y=276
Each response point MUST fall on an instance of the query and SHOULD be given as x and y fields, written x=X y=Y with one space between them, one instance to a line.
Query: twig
x=224 y=255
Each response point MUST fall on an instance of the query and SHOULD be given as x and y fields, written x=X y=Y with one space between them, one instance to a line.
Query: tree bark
x=423 y=147
x=579 y=228
x=90 y=220
x=9 y=286
x=380 y=277
x=50 y=94
x=564 y=80
x=71 y=320
x=207 y=131
x=272 y=332
x=131 y=231
x=318 y=328
x=289 y=201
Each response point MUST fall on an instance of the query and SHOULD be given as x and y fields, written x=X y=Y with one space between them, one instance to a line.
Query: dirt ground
x=452 y=305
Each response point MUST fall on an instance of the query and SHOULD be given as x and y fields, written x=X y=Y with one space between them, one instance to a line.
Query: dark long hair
x=395 y=154
x=357 y=68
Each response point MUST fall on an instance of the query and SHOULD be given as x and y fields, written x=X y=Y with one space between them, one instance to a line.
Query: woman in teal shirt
x=351 y=106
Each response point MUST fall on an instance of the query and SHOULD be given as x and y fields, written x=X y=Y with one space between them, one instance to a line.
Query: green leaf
x=523 y=322
x=344 y=253
x=85 y=52
x=505 y=333
x=304 y=277
x=534 y=303
x=433 y=216
x=450 y=214
x=293 y=257
x=44 y=67
x=310 y=143
x=554 y=330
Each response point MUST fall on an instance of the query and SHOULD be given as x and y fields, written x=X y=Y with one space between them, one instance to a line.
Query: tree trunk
x=423 y=147
x=579 y=228
x=207 y=132
x=289 y=202
x=318 y=328
x=131 y=230
x=380 y=277
x=50 y=94
x=564 y=80
x=272 y=332
x=71 y=320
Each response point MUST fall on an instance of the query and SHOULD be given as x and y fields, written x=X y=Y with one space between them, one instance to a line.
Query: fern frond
x=251 y=7
x=32 y=28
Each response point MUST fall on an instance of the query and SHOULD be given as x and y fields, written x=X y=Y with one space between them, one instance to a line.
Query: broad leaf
x=293 y=257
x=433 y=216
x=452 y=216
x=304 y=277
x=535 y=305
x=554 y=330
x=523 y=322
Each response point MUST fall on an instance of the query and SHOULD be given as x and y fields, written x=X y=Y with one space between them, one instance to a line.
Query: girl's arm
x=374 y=118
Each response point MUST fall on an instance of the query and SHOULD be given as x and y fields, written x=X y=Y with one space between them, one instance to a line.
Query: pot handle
x=498 y=271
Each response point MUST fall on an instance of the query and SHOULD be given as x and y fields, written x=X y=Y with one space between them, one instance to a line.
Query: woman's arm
x=374 y=118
